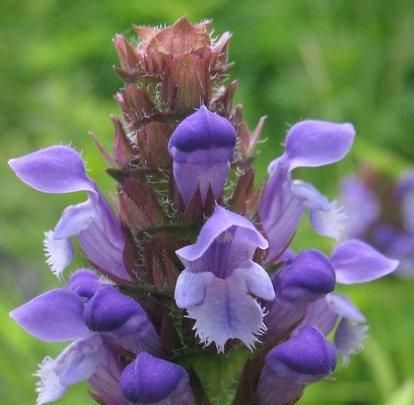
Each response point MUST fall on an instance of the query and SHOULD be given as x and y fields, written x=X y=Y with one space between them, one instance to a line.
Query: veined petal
x=315 y=143
x=75 y=218
x=201 y=175
x=280 y=210
x=190 y=289
x=356 y=262
x=109 y=309
x=308 y=277
x=327 y=218
x=58 y=252
x=54 y=316
x=321 y=315
x=202 y=146
x=75 y=364
x=122 y=319
x=57 y=169
x=219 y=222
x=228 y=312
x=306 y=357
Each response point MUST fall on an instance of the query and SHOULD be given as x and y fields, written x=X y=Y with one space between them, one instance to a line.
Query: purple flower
x=60 y=170
x=150 y=380
x=65 y=314
x=308 y=144
x=336 y=312
x=353 y=262
x=303 y=359
x=202 y=146
x=305 y=279
x=220 y=281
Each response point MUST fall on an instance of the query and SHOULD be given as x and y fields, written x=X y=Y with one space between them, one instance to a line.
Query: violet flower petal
x=221 y=221
x=56 y=170
x=76 y=363
x=356 y=262
x=58 y=252
x=315 y=143
x=84 y=282
x=109 y=309
x=280 y=210
x=60 y=169
x=305 y=358
x=327 y=218
x=283 y=202
x=220 y=281
x=342 y=306
x=55 y=316
x=349 y=337
x=360 y=205
x=150 y=380
x=202 y=146
x=227 y=311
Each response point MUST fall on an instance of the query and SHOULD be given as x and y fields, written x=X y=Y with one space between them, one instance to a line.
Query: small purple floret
x=220 y=281
x=306 y=357
x=149 y=380
x=307 y=278
x=202 y=146
x=284 y=201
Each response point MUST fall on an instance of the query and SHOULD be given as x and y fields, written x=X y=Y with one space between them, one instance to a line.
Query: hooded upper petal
x=355 y=261
x=150 y=380
x=202 y=146
x=315 y=143
x=122 y=320
x=57 y=169
x=361 y=206
x=220 y=222
x=60 y=169
x=84 y=282
x=308 y=144
x=306 y=357
x=56 y=315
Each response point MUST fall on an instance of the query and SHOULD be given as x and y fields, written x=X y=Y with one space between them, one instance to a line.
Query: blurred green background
x=329 y=59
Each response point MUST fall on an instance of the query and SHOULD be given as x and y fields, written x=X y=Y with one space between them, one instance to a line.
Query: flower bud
x=201 y=147
x=309 y=277
x=305 y=358
x=302 y=280
x=109 y=309
x=150 y=380
x=122 y=320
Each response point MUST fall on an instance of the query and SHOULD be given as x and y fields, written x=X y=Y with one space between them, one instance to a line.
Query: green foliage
x=338 y=60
